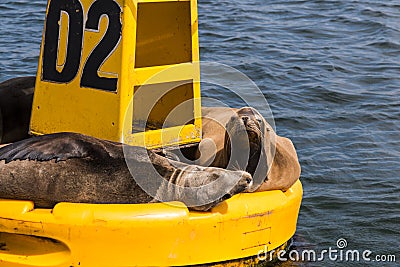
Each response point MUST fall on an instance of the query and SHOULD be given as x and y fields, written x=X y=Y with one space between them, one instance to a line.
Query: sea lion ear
x=59 y=146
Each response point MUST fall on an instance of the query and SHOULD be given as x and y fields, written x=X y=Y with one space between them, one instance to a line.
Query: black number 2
x=100 y=53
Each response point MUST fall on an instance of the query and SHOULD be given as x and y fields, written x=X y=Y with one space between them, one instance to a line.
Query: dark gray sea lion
x=16 y=96
x=242 y=139
x=69 y=167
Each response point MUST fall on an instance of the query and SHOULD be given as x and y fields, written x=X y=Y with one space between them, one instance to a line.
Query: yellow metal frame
x=68 y=106
x=162 y=234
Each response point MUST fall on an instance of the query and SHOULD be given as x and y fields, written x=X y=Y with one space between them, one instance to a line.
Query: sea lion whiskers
x=256 y=124
x=255 y=129
x=227 y=186
x=235 y=166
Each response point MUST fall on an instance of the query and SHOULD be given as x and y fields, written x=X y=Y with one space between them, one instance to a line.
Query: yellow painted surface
x=162 y=234
x=158 y=45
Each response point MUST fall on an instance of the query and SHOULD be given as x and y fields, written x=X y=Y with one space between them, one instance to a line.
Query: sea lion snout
x=251 y=119
x=216 y=185
x=246 y=124
x=244 y=184
x=211 y=174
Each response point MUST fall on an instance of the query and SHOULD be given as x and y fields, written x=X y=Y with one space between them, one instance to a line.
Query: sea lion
x=213 y=150
x=71 y=167
x=271 y=160
x=16 y=96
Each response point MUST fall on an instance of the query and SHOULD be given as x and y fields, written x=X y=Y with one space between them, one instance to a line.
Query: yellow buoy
x=96 y=55
x=159 y=234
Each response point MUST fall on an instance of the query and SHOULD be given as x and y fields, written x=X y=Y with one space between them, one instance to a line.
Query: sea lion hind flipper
x=59 y=146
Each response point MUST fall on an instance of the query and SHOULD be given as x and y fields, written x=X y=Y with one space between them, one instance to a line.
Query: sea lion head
x=247 y=124
x=250 y=144
x=202 y=188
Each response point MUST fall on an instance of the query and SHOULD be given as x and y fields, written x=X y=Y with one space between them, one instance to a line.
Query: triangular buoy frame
x=96 y=54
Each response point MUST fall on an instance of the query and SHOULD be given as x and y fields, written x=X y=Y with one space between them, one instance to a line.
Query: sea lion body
x=16 y=97
x=211 y=150
x=271 y=160
x=223 y=130
x=285 y=169
x=69 y=167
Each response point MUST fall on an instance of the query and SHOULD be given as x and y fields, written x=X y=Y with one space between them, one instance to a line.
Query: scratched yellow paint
x=233 y=233
x=63 y=39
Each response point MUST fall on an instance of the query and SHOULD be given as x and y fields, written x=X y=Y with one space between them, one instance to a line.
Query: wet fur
x=70 y=167
x=16 y=96
x=279 y=167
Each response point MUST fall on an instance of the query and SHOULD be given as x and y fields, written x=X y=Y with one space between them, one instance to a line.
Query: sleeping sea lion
x=213 y=150
x=70 y=167
x=16 y=96
x=271 y=160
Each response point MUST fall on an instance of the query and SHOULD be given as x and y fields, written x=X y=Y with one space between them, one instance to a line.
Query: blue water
x=330 y=71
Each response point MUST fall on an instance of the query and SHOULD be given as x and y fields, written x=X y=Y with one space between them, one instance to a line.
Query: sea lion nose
x=245 y=119
x=248 y=178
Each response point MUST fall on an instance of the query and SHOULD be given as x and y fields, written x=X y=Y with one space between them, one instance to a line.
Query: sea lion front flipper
x=59 y=146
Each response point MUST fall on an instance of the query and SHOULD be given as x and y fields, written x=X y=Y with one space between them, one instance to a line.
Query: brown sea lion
x=16 y=96
x=270 y=159
x=70 y=167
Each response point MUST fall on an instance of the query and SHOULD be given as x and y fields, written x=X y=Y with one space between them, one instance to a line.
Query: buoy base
x=159 y=234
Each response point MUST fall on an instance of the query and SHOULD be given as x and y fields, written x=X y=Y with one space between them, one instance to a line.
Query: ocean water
x=330 y=71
